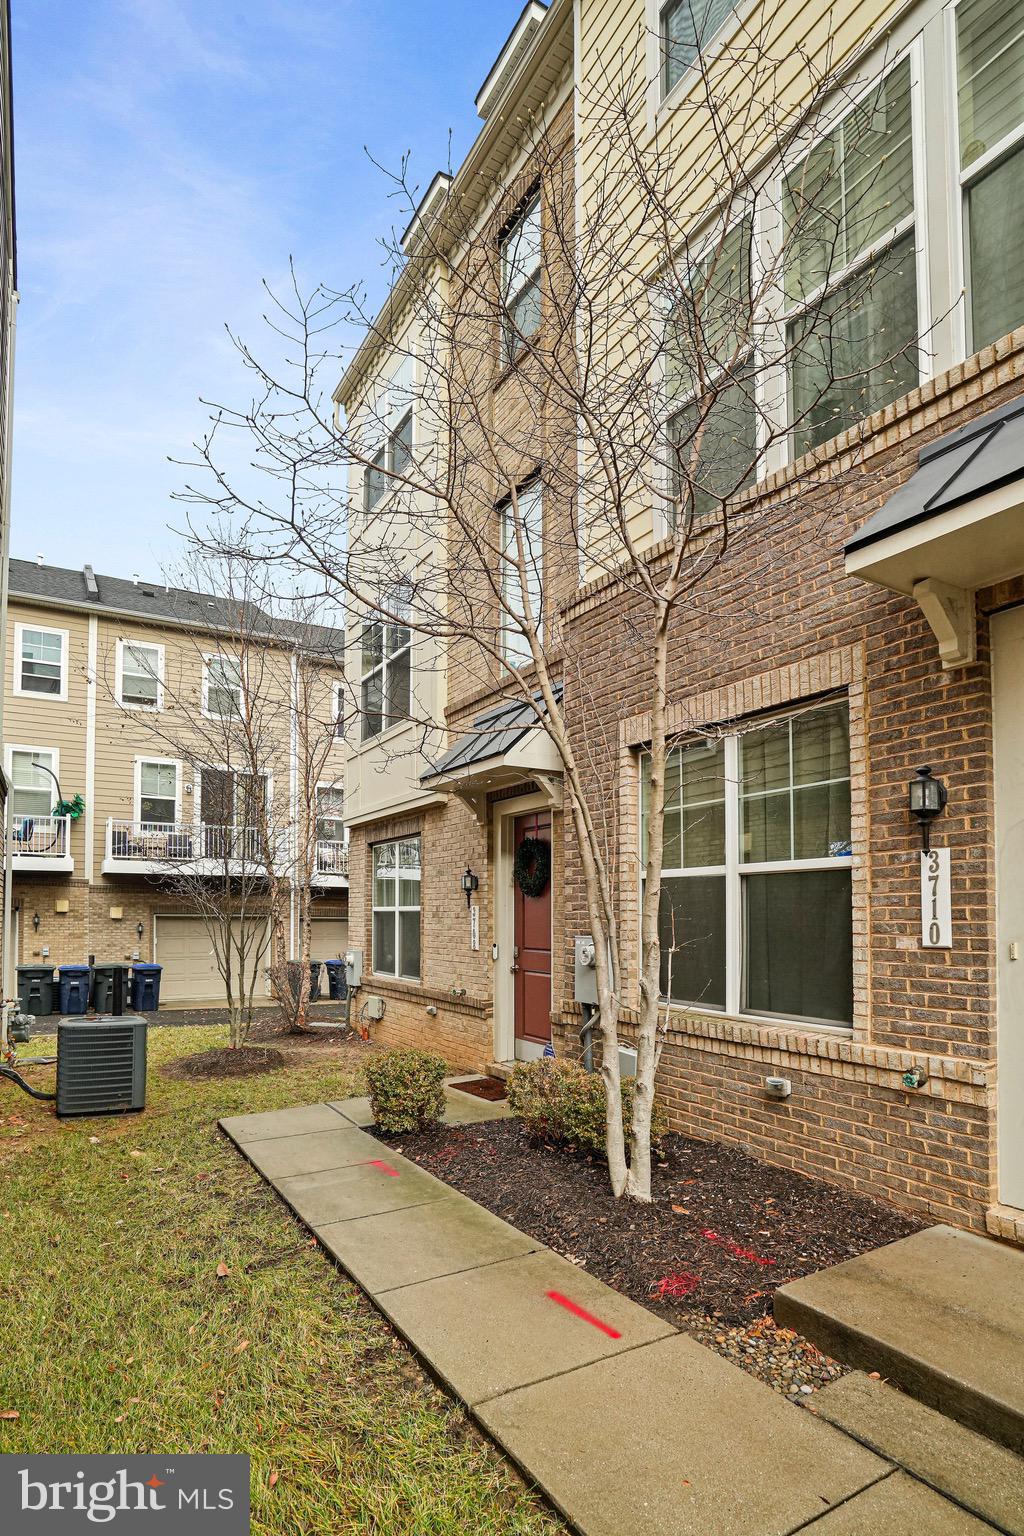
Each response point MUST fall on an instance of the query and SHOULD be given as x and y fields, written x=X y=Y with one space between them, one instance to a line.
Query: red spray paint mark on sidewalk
x=587 y=1317
x=375 y=1162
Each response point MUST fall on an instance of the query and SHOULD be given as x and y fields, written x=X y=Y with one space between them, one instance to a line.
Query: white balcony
x=163 y=848
x=41 y=843
x=331 y=863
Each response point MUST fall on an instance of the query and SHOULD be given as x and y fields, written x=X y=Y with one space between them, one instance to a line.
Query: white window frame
x=53 y=753
x=916 y=221
x=659 y=100
x=397 y=909
x=160 y=762
x=961 y=180
x=222 y=656
x=150 y=645
x=197 y=791
x=386 y=622
x=515 y=649
x=337 y=712
x=735 y=869
x=331 y=786
x=513 y=345
x=35 y=693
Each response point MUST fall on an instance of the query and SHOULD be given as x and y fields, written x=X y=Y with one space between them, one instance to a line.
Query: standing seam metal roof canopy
x=493 y=734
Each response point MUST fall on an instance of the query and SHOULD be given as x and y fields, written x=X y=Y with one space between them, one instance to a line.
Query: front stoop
x=1005 y=1221
x=940 y=1314
x=624 y=1423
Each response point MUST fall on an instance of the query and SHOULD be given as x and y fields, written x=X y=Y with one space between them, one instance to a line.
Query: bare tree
x=248 y=709
x=663 y=351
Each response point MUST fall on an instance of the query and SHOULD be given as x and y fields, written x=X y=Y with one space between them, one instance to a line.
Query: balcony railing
x=40 y=837
x=331 y=857
x=177 y=843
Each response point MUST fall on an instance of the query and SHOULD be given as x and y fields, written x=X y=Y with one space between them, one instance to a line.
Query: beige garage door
x=185 y=950
x=328 y=938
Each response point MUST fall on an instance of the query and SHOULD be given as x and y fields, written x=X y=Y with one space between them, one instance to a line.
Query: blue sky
x=170 y=154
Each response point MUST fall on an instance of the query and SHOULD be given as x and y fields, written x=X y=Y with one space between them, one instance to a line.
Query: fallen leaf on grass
x=243 y=1345
x=9 y=1413
x=222 y=1271
x=272 y=1480
x=134 y=1153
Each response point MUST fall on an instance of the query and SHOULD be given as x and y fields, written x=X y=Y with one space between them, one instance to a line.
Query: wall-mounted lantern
x=928 y=798
x=36 y=920
x=470 y=883
x=139 y=929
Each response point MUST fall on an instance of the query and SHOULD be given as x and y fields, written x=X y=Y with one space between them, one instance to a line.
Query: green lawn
x=119 y=1336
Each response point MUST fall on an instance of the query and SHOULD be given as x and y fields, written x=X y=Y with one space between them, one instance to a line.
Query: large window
x=386 y=685
x=330 y=813
x=990 y=92
x=709 y=380
x=33 y=791
x=522 y=543
x=392 y=459
x=688 y=26
x=396 y=908
x=140 y=674
x=158 y=792
x=521 y=261
x=851 y=267
x=756 y=905
x=41 y=659
x=222 y=687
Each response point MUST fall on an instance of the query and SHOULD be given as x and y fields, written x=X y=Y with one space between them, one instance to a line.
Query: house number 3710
x=936 y=904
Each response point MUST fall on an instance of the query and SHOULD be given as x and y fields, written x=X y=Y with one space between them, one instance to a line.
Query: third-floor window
x=386 y=681
x=687 y=26
x=521 y=260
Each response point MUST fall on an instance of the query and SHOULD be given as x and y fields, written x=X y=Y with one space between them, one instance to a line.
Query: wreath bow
x=532 y=868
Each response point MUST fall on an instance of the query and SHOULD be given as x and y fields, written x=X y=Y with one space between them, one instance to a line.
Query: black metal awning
x=491 y=742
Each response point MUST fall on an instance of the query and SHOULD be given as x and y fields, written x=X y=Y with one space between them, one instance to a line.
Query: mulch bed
x=724 y=1232
x=245 y=1061
x=490 y=1088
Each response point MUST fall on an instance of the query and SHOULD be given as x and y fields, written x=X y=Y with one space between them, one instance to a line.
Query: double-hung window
x=709 y=380
x=990 y=103
x=140 y=668
x=756 y=902
x=386 y=685
x=522 y=571
x=33 y=790
x=395 y=455
x=396 y=908
x=41 y=661
x=851 y=266
x=330 y=813
x=521 y=260
x=158 y=792
x=687 y=27
x=222 y=687
x=338 y=710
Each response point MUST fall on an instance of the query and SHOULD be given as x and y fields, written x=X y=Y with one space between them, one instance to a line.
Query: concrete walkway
x=623 y=1422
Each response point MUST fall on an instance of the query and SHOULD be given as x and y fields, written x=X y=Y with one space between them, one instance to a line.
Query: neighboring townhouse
x=8 y=318
x=116 y=691
x=879 y=631
x=444 y=776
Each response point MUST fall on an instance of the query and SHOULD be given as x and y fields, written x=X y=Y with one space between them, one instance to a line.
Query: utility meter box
x=373 y=1008
x=354 y=969
x=585 y=988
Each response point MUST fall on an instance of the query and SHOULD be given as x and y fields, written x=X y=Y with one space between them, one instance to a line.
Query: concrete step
x=977 y=1474
x=501 y=1069
x=940 y=1314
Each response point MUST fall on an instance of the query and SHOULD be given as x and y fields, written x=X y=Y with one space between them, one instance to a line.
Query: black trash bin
x=145 y=987
x=74 y=988
x=337 y=980
x=35 y=989
x=103 y=988
x=314 y=980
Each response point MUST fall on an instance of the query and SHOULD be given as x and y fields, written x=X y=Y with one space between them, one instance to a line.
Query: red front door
x=532 y=960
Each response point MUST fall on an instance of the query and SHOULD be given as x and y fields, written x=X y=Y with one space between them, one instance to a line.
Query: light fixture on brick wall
x=36 y=920
x=470 y=883
x=928 y=798
x=139 y=929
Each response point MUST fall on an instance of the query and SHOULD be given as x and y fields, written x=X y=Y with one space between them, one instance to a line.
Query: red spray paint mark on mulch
x=587 y=1317
x=735 y=1249
x=375 y=1162
x=682 y=1284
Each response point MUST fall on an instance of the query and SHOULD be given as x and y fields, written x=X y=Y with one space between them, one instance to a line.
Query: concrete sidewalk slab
x=284 y=1156
x=898 y=1505
x=984 y=1477
x=672 y=1440
x=938 y=1313
x=357 y=1111
x=281 y=1122
x=343 y=1194
x=489 y=1330
x=461 y=1109
x=422 y=1242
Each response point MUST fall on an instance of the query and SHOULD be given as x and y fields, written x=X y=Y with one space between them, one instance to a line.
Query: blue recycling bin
x=75 y=986
x=145 y=989
x=337 y=982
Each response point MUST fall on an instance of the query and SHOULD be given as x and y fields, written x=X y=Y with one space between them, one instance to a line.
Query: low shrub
x=559 y=1101
x=406 y=1089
